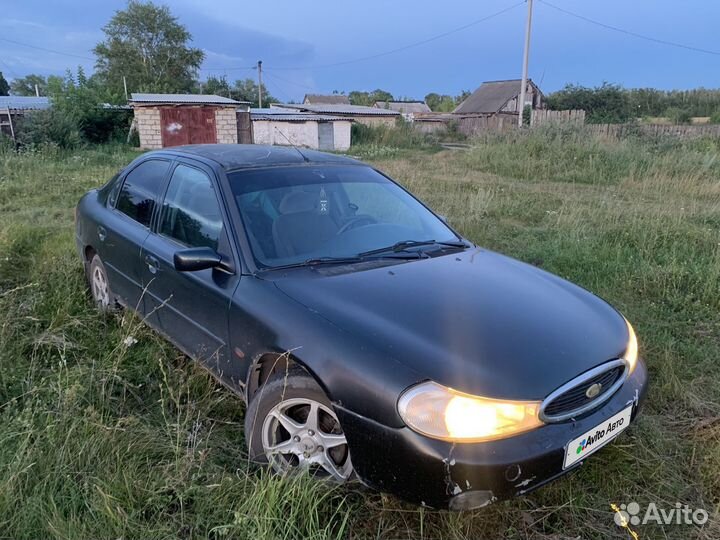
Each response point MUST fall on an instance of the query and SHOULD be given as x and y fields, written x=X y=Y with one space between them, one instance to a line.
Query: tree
x=241 y=90
x=440 y=102
x=25 y=86
x=368 y=99
x=4 y=86
x=608 y=103
x=146 y=44
x=247 y=90
x=81 y=99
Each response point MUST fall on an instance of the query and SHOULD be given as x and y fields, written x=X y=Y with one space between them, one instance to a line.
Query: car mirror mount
x=194 y=259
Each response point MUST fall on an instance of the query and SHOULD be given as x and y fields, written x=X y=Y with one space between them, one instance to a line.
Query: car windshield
x=300 y=213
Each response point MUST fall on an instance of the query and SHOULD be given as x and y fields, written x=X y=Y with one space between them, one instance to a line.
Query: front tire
x=290 y=424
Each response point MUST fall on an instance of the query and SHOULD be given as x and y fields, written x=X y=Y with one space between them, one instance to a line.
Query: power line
x=278 y=87
x=229 y=68
x=410 y=45
x=47 y=50
x=299 y=85
x=629 y=32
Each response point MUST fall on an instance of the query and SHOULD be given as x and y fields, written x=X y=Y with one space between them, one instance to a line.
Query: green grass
x=99 y=439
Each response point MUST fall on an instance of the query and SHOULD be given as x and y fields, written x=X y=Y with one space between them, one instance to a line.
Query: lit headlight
x=443 y=413
x=631 y=353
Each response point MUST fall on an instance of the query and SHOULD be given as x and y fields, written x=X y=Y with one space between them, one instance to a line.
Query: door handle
x=102 y=233
x=152 y=263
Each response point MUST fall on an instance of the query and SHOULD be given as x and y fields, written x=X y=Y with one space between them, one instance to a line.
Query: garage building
x=164 y=120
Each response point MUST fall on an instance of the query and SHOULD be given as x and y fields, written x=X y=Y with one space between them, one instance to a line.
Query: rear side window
x=140 y=190
x=191 y=213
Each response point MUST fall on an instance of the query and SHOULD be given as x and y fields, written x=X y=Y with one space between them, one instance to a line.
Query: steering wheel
x=354 y=222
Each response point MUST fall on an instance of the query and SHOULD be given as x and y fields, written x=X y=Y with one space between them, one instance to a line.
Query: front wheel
x=290 y=424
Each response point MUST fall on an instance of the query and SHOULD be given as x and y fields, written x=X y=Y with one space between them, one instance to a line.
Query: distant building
x=332 y=99
x=12 y=108
x=297 y=128
x=494 y=97
x=407 y=108
x=164 y=120
x=370 y=116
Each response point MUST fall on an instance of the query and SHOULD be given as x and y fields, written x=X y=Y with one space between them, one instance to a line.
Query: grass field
x=101 y=438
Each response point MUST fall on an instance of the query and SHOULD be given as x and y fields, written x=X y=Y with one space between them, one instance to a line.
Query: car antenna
x=305 y=158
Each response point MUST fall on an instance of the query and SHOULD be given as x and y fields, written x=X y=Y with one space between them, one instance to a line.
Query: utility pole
x=37 y=91
x=526 y=56
x=260 y=83
x=125 y=86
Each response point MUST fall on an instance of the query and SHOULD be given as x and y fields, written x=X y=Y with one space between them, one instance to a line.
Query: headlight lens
x=631 y=353
x=443 y=413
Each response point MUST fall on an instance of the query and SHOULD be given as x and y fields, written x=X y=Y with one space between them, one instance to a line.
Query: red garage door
x=187 y=125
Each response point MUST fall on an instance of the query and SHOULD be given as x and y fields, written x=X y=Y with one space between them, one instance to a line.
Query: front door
x=123 y=232
x=326 y=136
x=187 y=125
x=191 y=307
x=244 y=127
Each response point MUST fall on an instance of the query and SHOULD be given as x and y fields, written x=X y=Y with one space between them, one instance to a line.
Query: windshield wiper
x=405 y=244
x=316 y=261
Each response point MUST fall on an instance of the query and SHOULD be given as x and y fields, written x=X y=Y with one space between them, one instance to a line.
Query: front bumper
x=461 y=476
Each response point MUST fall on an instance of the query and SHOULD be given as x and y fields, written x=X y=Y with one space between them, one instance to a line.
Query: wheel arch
x=270 y=363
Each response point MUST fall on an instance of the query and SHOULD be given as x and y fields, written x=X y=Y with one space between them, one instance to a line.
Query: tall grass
x=101 y=437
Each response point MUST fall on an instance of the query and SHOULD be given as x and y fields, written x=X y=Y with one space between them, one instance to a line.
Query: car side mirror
x=194 y=259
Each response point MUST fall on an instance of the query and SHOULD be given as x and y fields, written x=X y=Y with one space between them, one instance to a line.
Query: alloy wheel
x=300 y=434
x=100 y=288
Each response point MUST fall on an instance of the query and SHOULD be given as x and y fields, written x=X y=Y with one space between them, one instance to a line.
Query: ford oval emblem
x=593 y=390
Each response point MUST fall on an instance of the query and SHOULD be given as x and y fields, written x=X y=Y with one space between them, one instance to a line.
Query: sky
x=321 y=46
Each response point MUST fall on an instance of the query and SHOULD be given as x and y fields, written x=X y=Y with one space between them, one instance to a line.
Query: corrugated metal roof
x=407 y=107
x=21 y=103
x=351 y=110
x=284 y=115
x=490 y=97
x=332 y=99
x=193 y=99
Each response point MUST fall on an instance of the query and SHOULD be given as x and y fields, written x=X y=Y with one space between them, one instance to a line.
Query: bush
x=678 y=116
x=49 y=127
x=715 y=117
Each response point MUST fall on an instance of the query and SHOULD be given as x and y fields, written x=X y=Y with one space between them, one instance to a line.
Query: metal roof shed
x=279 y=126
x=358 y=113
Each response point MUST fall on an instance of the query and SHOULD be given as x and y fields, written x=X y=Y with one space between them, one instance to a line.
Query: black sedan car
x=367 y=337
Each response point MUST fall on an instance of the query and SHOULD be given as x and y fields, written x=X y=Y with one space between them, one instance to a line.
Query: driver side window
x=191 y=212
x=372 y=199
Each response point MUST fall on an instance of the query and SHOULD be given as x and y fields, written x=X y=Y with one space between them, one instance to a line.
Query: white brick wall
x=226 y=125
x=147 y=121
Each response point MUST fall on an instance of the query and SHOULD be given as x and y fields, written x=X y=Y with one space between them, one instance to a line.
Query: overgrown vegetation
x=106 y=438
x=611 y=103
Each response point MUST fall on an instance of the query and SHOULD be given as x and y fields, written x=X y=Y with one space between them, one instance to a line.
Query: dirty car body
x=459 y=376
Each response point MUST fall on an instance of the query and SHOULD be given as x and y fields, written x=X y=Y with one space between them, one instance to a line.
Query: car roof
x=240 y=156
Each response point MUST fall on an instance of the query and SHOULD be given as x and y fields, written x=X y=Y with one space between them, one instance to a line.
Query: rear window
x=140 y=190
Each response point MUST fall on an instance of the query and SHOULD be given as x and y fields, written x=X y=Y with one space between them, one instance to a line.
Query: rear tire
x=100 y=286
x=290 y=424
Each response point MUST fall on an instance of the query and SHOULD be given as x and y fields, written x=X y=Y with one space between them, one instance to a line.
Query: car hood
x=476 y=321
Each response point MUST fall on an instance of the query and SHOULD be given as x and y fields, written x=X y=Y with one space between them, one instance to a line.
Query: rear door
x=127 y=225
x=191 y=307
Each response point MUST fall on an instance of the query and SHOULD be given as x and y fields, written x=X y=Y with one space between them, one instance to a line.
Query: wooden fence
x=540 y=117
x=618 y=131
x=482 y=124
